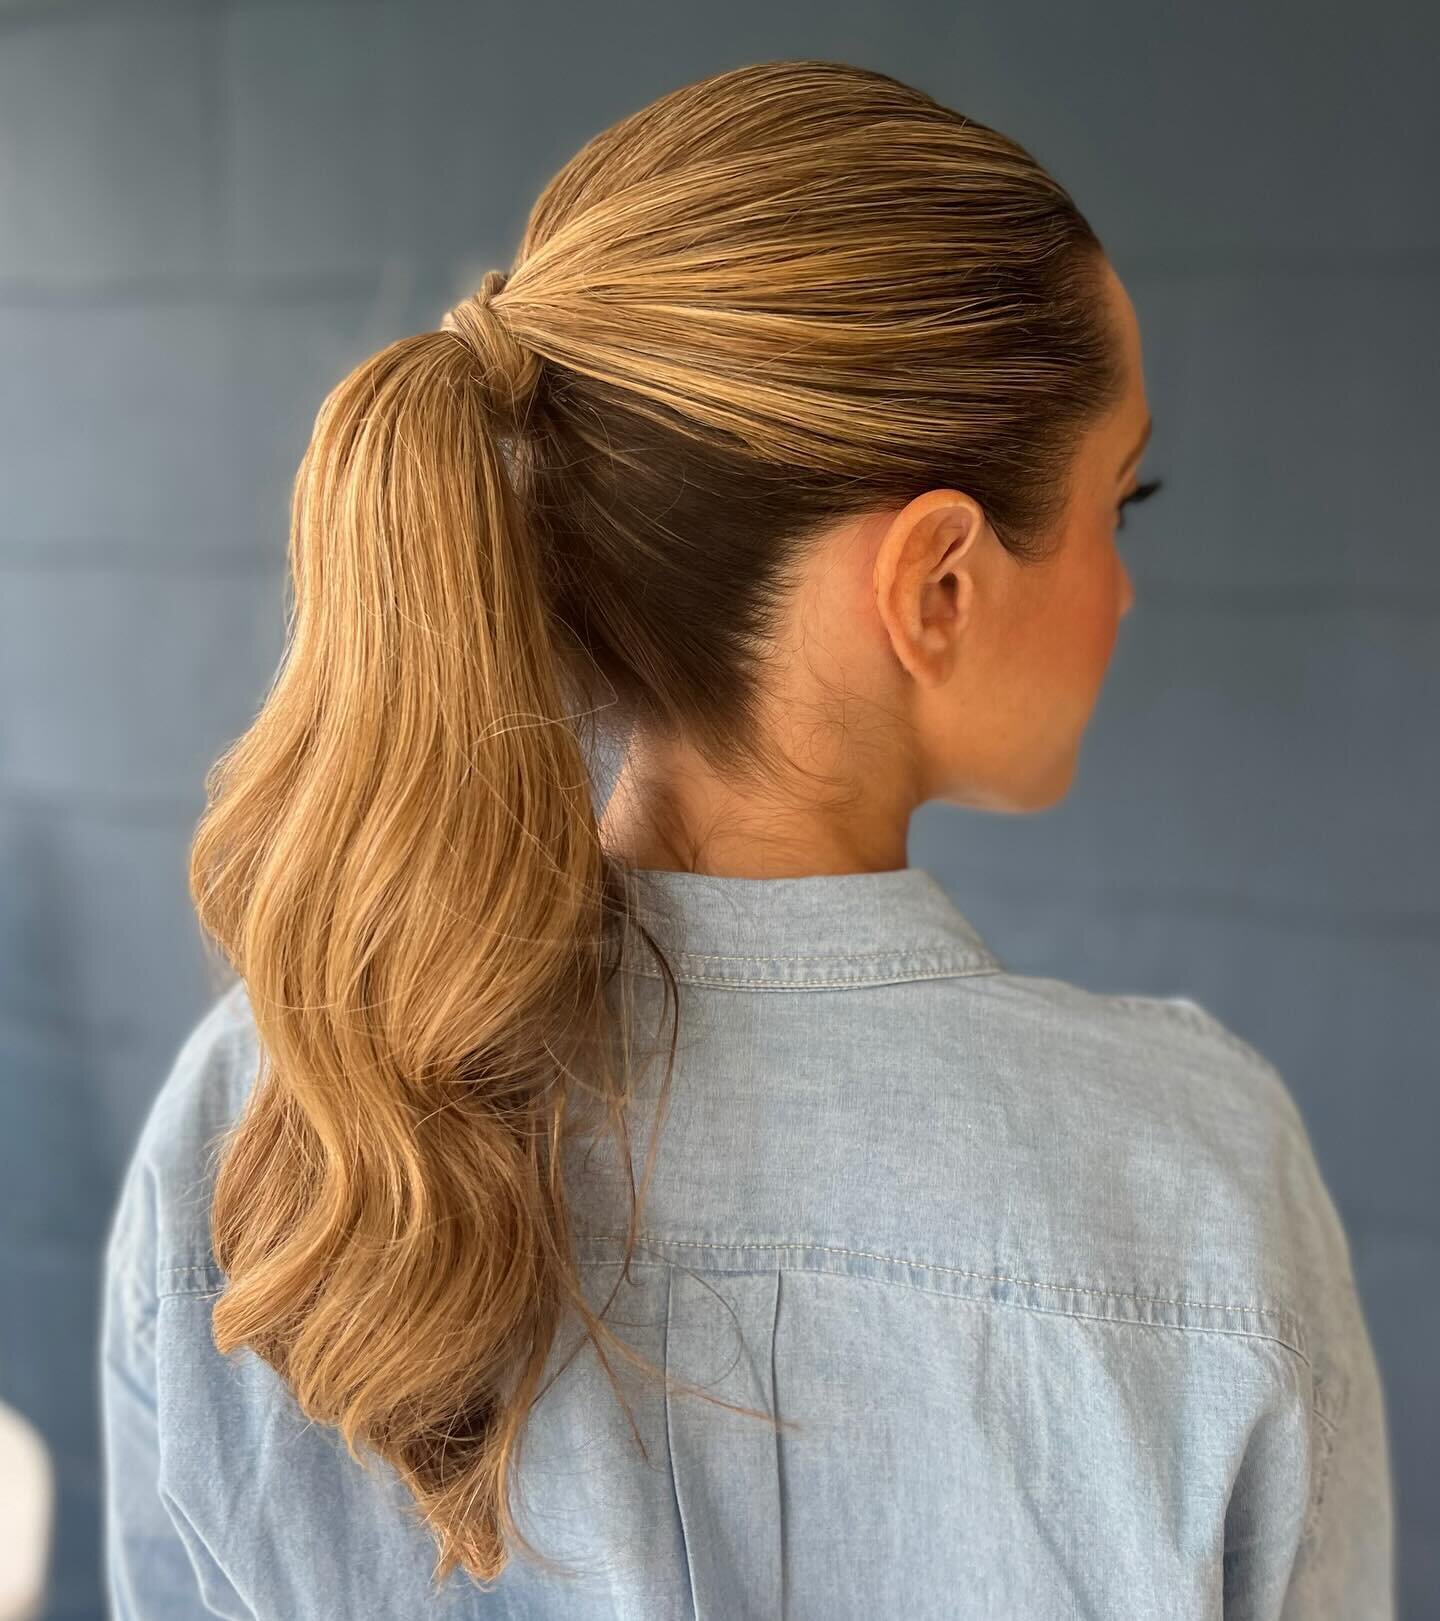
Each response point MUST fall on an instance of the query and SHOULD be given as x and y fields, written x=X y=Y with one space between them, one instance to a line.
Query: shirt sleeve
x=147 y=1571
x=1345 y=1567
x=1310 y=1527
x=148 y=1566
x=1310 y=1523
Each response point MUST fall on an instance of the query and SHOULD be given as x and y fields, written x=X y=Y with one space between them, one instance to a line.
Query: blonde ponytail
x=402 y=860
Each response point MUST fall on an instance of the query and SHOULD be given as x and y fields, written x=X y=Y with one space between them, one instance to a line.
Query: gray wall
x=209 y=212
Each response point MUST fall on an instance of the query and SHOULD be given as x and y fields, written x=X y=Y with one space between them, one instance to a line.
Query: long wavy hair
x=777 y=298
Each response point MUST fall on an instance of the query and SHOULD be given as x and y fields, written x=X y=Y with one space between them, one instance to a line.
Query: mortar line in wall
x=1174 y=596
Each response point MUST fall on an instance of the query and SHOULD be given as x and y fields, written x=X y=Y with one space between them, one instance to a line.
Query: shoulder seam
x=1184 y=1011
x=1190 y=1015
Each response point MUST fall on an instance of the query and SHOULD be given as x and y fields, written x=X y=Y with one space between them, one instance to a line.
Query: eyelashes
x=1141 y=492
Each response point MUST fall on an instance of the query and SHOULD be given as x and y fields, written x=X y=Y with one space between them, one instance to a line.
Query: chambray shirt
x=1044 y=1283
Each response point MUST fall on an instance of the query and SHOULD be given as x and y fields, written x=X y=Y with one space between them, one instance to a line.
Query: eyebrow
x=1134 y=455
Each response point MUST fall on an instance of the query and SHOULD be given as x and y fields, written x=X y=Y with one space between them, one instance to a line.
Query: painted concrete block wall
x=209 y=211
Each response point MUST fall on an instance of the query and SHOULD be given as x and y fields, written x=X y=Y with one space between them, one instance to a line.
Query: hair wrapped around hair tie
x=511 y=370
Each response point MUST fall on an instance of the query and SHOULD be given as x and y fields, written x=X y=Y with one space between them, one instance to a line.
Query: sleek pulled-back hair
x=784 y=296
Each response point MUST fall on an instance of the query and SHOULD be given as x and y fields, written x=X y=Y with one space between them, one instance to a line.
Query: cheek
x=1060 y=639
x=1093 y=616
x=1109 y=581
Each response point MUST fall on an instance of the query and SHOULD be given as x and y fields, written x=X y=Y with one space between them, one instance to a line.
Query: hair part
x=779 y=297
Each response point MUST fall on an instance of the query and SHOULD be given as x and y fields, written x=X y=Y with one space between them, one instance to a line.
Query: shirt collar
x=831 y=929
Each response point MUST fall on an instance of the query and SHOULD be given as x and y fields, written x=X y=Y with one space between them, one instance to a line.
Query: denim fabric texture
x=1045 y=1284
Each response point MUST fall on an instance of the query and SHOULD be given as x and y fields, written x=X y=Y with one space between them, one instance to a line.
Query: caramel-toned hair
x=778 y=298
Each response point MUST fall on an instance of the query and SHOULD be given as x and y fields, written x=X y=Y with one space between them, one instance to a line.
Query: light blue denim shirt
x=1045 y=1282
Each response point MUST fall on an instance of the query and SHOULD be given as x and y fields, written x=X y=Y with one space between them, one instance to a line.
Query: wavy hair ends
x=400 y=858
x=774 y=298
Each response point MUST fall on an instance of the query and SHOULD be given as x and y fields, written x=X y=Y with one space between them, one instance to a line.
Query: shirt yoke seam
x=216 y=1285
x=1048 y=1311
x=212 y=1272
x=956 y=1271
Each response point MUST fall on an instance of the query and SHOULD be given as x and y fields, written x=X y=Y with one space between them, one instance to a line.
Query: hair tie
x=511 y=370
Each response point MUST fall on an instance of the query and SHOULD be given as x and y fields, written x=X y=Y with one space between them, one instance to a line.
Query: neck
x=669 y=811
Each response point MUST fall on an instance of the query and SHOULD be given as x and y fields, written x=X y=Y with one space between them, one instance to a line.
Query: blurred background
x=210 y=211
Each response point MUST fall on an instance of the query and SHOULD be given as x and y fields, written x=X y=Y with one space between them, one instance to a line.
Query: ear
x=924 y=580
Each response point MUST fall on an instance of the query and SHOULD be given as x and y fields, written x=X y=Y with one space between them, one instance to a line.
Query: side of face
x=1004 y=661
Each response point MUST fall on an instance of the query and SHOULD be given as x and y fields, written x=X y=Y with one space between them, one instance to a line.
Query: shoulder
x=1181 y=1079
x=1165 y=1056
x=1242 y=1195
x=1181 y=1140
x=160 y=1225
